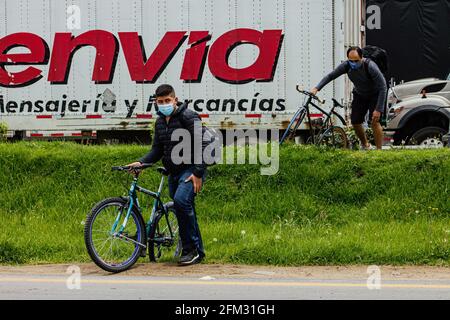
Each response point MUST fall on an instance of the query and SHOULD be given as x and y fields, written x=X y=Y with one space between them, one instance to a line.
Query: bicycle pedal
x=167 y=242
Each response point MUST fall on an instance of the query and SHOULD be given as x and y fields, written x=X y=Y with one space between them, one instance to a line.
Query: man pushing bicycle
x=369 y=93
x=185 y=179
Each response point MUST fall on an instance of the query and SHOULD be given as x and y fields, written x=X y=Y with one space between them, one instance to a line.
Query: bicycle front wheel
x=295 y=123
x=114 y=250
x=164 y=241
x=334 y=137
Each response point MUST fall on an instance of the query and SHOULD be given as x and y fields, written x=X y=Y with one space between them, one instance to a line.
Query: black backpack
x=380 y=57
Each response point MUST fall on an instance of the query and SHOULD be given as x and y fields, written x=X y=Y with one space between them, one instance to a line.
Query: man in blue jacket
x=185 y=179
x=369 y=93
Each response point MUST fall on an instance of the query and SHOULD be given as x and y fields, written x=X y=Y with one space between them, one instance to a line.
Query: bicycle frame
x=328 y=118
x=133 y=201
x=305 y=110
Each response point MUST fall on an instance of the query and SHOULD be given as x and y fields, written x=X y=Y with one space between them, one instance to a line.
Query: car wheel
x=431 y=137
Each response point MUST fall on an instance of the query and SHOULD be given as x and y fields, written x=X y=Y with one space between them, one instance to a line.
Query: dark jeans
x=183 y=197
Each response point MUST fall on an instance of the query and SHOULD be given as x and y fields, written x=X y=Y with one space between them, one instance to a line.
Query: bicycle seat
x=163 y=171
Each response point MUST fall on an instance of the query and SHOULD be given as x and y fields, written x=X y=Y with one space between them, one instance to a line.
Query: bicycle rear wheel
x=164 y=241
x=114 y=251
x=334 y=137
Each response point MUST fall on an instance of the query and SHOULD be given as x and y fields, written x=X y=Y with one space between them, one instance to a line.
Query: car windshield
x=448 y=77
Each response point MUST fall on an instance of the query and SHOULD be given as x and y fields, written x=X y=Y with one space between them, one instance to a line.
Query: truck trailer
x=87 y=69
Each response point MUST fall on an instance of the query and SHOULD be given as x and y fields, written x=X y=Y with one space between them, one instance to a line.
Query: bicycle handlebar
x=309 y=94
x=128 y=168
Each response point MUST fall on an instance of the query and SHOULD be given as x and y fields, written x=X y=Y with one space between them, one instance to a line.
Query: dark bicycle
x=321 y=131
x=116 y=235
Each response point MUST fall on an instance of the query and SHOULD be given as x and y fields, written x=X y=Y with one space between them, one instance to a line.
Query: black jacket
x=162 y=145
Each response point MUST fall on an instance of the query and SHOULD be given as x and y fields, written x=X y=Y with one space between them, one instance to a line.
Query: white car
x=419 y=113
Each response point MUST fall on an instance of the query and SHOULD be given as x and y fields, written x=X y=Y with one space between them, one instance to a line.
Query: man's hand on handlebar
x=314 y=91
x=311 y=94
x=134 y=166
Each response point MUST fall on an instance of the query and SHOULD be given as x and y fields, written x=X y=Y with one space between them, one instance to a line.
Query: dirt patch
x=244 y=271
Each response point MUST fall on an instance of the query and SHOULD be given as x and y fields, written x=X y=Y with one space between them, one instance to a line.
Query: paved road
x=39 y=286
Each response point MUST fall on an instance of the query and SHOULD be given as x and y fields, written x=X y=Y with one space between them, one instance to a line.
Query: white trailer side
x=315 y=34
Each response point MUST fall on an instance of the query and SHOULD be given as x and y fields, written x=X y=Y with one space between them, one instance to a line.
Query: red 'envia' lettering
x=269 y=44
x=65 y=45
x=141 y=69
x=195 y=57
x=39 y=54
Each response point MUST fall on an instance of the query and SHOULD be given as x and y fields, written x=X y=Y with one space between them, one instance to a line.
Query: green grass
x=322 y=208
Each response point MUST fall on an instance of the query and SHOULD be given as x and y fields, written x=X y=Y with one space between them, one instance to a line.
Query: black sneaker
x=191 y=257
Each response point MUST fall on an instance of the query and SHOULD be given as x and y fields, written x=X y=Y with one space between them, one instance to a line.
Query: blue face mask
x=355 y=65
x=166 y=109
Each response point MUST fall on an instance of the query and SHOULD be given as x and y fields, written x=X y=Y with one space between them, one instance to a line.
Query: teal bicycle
x=116 y=235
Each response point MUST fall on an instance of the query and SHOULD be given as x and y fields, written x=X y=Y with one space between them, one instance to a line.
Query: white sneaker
x=368 y=148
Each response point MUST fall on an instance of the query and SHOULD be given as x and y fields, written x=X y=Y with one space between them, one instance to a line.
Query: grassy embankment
x=322 y=208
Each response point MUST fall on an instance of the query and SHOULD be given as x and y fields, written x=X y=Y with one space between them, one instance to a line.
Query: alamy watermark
x=73 y=21
x=202 y=145
x=373 y=14
x=374 y=279
x=73 y=282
